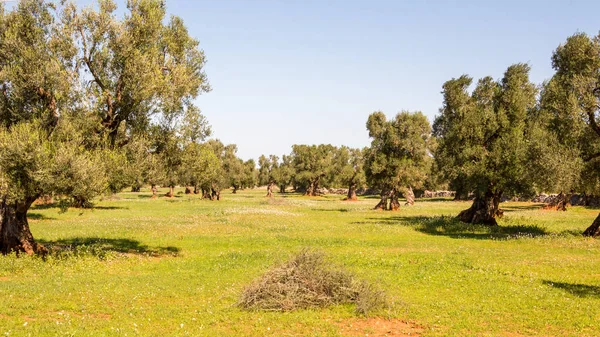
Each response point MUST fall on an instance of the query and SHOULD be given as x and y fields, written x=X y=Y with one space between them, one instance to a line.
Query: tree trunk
x=188 y=190
x=196 y=190
x=154 y=190
x=484 y=210
x=282 y=188
x=394 y=203
x=15 y=235
x=389 y=201
x=215 y=194
x=382 y=205
x=560 y=203
x=410 y=196
x=170 y=194
x=594 y=229
x=270 y=189
x=135 y=188
x=234 y=190
x=352 y=192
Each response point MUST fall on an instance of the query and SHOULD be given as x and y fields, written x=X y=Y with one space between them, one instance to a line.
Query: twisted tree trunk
x=282 y=188
x=188 y=190
x=594 y=229
x=352 y=192
x=270 y=189
x=15 y=235
x=410 y=196
x=484 y=210
x=389 y=201
x=170 y=194
x=560 y=203
x=154 y=190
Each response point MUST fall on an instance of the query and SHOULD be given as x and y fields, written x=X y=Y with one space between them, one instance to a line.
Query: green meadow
x=177 y=266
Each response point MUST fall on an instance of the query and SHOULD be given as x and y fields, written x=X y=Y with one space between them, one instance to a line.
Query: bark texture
x=594 y=229
x=188 y=190
x=15 y=235
x=560 y=203
x=484 y=210
x=389 y=201
x=410 y=196
x=154 y=190
x=352 y=192
x=170 y=194
x=270 y=189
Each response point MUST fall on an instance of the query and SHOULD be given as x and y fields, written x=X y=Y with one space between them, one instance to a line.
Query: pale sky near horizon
x=308 y=72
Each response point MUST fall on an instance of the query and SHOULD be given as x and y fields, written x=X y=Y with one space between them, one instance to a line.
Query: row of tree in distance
x=92 y=103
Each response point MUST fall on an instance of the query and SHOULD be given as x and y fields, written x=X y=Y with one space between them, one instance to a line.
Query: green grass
x=137 y=266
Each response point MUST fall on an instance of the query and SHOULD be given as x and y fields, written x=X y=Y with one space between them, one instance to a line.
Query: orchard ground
x=175 y=267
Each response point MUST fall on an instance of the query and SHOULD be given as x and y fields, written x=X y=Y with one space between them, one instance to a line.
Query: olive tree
x=571 y=100
x=397 y=160
x=314 y=167
x=351 y=169
x=483 y=139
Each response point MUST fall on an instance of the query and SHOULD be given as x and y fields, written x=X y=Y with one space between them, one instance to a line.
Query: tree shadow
x=337 y=210
x=101 y=247
x=38 y=216
x=454 y=228
x=515 y=208
x=108 y=207
x=434 y=199
x=579 y=290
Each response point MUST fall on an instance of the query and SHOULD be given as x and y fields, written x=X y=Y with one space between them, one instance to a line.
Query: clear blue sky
x=308 y=72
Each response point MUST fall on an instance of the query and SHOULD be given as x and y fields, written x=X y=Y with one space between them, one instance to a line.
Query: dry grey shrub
x=309 y=281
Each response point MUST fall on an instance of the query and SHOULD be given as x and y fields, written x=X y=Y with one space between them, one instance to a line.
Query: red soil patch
x=378 y=326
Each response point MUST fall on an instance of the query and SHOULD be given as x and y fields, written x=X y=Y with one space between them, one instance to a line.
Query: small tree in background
x=284 y=173
x=314 y=167
x=397 y=160
x=351 y=171
x=267 y=168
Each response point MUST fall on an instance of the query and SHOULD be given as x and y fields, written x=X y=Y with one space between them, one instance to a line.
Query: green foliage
x=349 y=163
x=570 y=103
x=483 y=137
x=35 y=163
x=314 y=166
x=399 y=154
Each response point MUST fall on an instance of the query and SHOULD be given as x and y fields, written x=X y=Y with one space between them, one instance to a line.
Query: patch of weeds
x=309 y=281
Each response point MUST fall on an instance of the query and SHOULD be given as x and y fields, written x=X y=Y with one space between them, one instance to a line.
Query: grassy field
x=176 y=267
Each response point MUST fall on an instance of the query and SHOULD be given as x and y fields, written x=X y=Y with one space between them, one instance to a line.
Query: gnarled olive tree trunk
x=154 y=190
x=594 y=229
x=352 y=192
x=313 y=187
x=170 y=194
x=282 y=188
x=484 y=210
x=15 y=235
x=270 y=189
x=188 y=190
x=560 y=203
x=410 y=196
x=389 y=201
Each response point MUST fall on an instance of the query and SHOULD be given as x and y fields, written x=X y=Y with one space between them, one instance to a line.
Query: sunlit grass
x=138 y=266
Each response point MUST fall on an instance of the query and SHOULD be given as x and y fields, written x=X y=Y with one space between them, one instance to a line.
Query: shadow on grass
x=434 y=199
x=579 y=290
x=102 y=247
x=337 y=210
x=514 y=208
x=452 y=227
x=38 y=216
